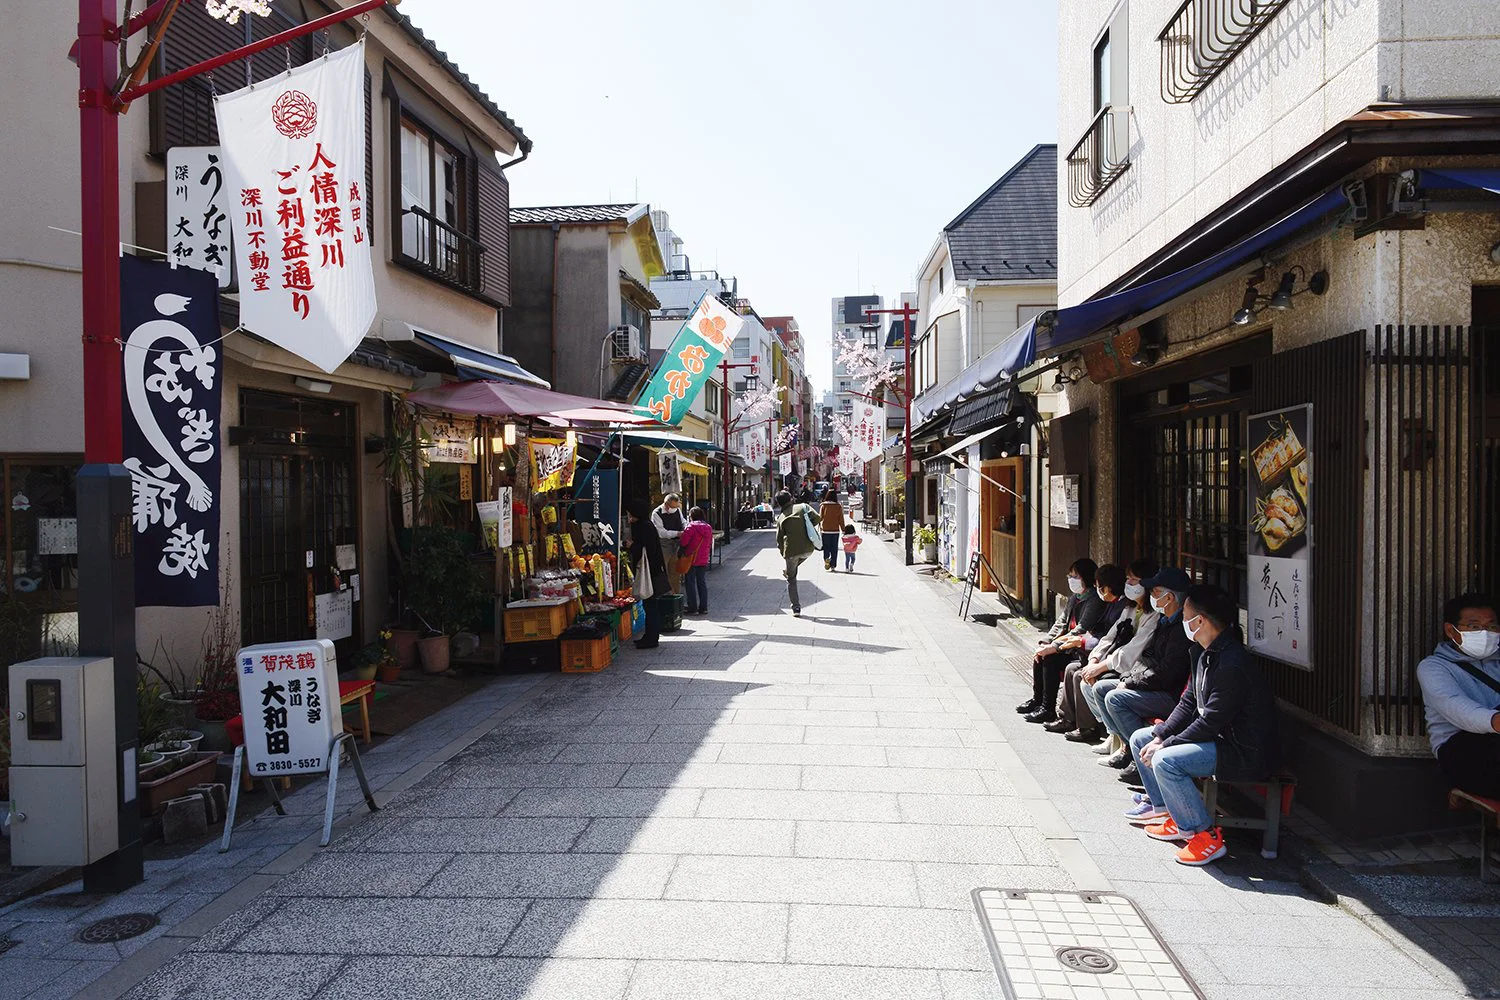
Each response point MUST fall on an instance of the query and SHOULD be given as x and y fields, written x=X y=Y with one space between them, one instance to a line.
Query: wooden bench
x=1489 y=815
x=1273 y=795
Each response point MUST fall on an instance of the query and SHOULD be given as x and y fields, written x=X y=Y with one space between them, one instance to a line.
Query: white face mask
x=1134 y=591
x=1191 y=632
x=1075 y=585
x=1160 y=604
x=1481 y=644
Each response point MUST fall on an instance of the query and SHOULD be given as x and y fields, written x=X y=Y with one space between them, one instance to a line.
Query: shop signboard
x=669 y=471
x=450 y=439
x=1280 y=535
x=597 y=510
x=552 y=461
x=1064 y=507
x=689 y=361
x=293 y=155
x=198 y=209
x=754 y=449
x=174 y=378
x=289 y=693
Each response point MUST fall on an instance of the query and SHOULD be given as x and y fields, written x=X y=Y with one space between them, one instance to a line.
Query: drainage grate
x=120 y=928
x=1081 y=945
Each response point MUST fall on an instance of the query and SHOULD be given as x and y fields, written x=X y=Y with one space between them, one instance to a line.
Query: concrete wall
x=1315 y=64
x=528 y=321
x=588 y=305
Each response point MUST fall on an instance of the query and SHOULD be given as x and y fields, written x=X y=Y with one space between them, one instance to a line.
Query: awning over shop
x=511 y=399
x=1060 y=327
x=983 y=411
x=669 y=439
x=1006 y=358
x=1480 y=179
x=952 y=450
x=475 y=364
x=693 y=468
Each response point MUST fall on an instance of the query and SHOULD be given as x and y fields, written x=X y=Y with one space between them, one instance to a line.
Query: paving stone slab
x=687 y=835
x=385 y=927
x=575 y=875
x=885 y=937
x=676 y=929
x=654 y=980
x=794 y=880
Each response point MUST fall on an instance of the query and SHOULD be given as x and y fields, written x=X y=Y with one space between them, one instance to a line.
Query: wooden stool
x=1489 y=815
x=1275 y=795
x=364 y=693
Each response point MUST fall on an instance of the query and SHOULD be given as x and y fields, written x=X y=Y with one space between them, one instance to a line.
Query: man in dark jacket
x=1151 y=686
x=1224 y=725
x=645 y=555
x=1065 y=644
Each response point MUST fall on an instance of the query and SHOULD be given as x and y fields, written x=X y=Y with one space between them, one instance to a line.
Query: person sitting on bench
x=1224 y=726
x=1072 y=713
x=1080 y=616
x=1461 y=690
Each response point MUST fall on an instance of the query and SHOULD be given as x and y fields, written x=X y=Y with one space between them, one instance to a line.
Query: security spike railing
x=1203 y=38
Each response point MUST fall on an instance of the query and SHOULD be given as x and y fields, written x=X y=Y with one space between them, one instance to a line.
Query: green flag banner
x=680 y=375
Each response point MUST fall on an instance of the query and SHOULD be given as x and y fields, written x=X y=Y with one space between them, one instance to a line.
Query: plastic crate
x=613 y=617
x=531 y=657
x=627 y=623
x=535 y=623
x=670 y=606
x=583 y=656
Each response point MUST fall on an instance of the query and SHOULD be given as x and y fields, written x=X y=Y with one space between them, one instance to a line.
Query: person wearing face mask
x=1224 y=725
x=1080 y=615
x=1461 y=691
x=1074 y=719
x=1117 y=651
x=1149 y=687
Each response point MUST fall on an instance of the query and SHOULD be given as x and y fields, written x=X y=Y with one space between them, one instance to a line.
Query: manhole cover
x=1087 y=960
x=121 y=928
x=1098 y=943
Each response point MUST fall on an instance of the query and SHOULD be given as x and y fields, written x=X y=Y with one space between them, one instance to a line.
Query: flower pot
x=169 y=749
x=215 y=736
x=434 y=653
x=388 y=673
x=191 y=737
x=366 y=671
x=146 y=759
x=153 y=791
x=182 y=708
x=404 y=645
x=929 y=553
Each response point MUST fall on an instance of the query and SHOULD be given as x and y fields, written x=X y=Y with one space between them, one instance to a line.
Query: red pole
x=724 y=395
x=99 y=186
x=906 y=408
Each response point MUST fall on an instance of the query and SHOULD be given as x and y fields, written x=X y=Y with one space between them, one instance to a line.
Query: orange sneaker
x=1165 y=830
x=1203 y=848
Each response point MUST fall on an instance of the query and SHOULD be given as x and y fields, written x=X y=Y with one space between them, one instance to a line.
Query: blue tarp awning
x=1065 y=326
x=474 y=363
x=1483 y=179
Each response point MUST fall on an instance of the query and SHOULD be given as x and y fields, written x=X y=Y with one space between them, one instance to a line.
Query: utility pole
x=724 y=367
x=106 y=581
x=906 y=313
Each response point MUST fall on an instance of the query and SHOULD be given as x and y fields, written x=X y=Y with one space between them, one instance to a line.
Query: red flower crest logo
x=294 y=114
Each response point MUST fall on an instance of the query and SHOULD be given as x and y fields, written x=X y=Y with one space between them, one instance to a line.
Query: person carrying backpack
x=795 y=532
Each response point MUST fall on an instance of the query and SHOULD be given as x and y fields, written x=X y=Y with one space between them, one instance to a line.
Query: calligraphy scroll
x=687 y=364
x=169 y=322
x=198 y=209
x=294 y=162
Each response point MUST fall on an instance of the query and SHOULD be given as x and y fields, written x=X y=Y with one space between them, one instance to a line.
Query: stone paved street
x=762 y=807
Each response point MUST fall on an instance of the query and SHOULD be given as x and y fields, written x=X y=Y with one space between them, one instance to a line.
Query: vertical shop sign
x=198 y=210
x=597 y=510
x=289 y=696
x=669 y=471
x=293 y=151
x=1280 y=542
x=687 y=364
x=169 y=322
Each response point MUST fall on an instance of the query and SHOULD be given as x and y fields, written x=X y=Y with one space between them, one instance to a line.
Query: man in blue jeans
x=1224 y=725
x=1150 y=687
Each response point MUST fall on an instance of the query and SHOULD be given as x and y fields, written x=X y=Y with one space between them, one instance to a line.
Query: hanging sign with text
x=866 y=430
x=552 y=461
x=293 y=151
x=1280 y=535
x=687 y=364
x=198 y=210
x=169 y=320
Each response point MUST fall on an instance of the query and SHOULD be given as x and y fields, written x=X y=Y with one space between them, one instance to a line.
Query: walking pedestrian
x=697 y=543
x=794 y=541
x=832 y=517
x=667 y=519
x=851 y=546
x=650 y=569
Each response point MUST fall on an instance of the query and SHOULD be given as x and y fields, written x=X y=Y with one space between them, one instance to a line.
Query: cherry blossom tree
x=756 y=403
x=871 y=370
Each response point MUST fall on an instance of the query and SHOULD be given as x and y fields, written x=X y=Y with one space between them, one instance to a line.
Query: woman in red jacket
x=697 y=541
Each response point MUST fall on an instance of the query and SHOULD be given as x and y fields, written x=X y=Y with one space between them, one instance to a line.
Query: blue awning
x=473 y=363
x=1064 y=326
x=1481 y=179
x=1004 y=359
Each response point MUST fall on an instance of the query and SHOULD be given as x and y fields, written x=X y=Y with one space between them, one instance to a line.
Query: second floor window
x=1101 y=75
x=433 y=182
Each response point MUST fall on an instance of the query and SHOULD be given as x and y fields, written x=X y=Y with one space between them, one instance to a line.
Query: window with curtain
x=432 y=186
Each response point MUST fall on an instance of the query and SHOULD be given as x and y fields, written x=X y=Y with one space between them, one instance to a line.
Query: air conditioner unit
x=625 y=344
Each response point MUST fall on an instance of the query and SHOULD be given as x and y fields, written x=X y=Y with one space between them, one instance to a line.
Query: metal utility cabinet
x=64 y=792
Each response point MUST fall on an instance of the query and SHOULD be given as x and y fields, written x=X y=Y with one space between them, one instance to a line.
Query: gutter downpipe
x=552 y=330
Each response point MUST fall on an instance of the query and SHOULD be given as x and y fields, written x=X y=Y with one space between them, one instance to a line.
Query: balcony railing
x=1100 y=157
x=433 y=246
x=1203 y=38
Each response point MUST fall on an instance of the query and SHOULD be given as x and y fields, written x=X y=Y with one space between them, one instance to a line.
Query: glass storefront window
x=41 y=528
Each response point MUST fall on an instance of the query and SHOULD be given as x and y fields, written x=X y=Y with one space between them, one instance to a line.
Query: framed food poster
x=1280 y=527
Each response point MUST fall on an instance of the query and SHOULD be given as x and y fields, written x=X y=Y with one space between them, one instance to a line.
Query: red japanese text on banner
x=687 y=364
x=293 y=152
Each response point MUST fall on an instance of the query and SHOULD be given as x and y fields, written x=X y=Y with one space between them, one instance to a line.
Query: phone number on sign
x=287 y=765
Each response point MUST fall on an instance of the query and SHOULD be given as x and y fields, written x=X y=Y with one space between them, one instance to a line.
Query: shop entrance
x=1002 y=538
x=298 y=503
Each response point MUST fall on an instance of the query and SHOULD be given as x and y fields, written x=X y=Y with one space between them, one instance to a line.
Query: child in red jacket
x=851 y=545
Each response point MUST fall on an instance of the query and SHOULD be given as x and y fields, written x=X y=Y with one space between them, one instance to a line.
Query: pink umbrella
x=508 y=399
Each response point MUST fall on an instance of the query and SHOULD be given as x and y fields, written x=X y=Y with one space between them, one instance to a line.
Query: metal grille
x=1099 y=158
x=1433 y=474
x=1203 y=38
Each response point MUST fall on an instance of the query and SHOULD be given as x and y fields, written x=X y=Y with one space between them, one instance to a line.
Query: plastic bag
x=637 y=618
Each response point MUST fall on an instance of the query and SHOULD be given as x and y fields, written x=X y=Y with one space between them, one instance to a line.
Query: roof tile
x=571 y=213
x=1010 y=232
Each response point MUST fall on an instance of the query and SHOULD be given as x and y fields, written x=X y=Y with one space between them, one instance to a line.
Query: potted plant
x=367 y=661
x=168 y=748
x=926 y=537
x=444 y=590
x=190 y=737
x=218 y=696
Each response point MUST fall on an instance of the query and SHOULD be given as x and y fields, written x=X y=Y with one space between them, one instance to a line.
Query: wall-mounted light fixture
x=1281 y=299
x=497 y=444
x=312 y=385
x=1246 y=313
x=1495 y=253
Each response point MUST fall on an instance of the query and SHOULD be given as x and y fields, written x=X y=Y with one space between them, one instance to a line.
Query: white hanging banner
x=754 y=448
x=294 y=164
x=198 y=209
x=865 y=426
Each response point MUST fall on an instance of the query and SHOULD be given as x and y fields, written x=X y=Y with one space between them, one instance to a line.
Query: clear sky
x=811 y=148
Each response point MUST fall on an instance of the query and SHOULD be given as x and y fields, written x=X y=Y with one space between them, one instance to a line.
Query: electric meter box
x=64 y=792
